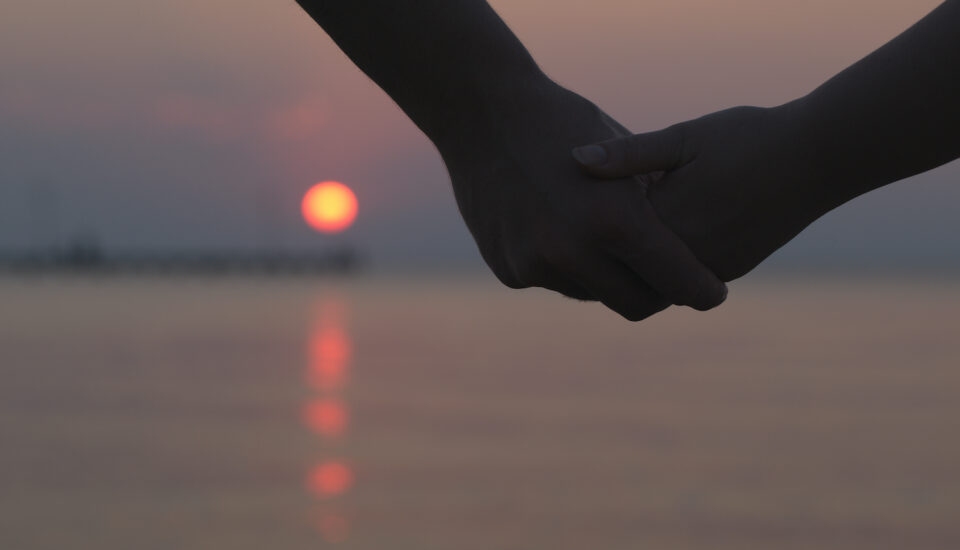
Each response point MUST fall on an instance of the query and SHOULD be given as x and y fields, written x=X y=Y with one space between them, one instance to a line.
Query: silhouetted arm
x=443 y=61
x=741 y=183
x=505 y=130
x=894 y=114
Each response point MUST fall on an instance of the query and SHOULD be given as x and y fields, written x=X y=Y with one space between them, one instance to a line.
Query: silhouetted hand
x=734 y=185
x=539 y=221
x=505 y=131
x=738 y=184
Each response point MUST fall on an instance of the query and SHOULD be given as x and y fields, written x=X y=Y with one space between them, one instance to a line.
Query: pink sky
x=212 y=102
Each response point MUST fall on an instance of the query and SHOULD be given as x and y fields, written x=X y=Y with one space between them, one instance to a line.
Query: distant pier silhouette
x=85 y=258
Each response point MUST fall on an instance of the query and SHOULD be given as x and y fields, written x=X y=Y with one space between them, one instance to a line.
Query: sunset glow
x=335 y=528
x=330 y=207
x=329 y=357
x=327 y=417
x=330 y=480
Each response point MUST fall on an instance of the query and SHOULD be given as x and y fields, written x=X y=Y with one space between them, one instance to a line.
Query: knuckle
x=639 y=305
x=509 y=280
x=504 y=272
x=634 y=316
x=577 y=294
x=527 y=272
x=636 y=313
x=567 y=289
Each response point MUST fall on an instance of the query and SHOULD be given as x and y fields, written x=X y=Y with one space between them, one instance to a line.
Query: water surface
x=415 y=414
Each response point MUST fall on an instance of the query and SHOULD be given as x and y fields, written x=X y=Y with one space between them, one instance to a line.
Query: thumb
x=632 y=155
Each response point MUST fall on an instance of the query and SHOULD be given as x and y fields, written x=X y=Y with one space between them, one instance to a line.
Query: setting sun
x=329 y=207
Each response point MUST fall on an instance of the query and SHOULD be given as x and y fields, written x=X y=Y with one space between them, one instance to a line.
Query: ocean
x=814 y=412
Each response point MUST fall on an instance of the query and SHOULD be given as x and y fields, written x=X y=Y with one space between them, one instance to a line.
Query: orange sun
x=329 y=207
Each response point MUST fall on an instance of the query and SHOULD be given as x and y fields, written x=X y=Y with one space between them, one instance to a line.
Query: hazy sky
x=198 y=123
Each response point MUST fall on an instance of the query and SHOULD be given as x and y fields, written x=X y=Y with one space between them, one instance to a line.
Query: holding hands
x=733 y=185
x=647 y=220
x=539 y=221
x=739 y=184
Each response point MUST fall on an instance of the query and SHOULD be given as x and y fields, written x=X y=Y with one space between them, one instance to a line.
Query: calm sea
x=453 y=414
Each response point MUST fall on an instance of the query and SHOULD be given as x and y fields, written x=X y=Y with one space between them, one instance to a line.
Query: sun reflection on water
x=327 y=417
x=331 y=479
x=329 y=355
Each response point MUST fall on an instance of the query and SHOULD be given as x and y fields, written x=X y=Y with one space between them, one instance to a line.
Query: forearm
x=894 y=114
x=440 y=60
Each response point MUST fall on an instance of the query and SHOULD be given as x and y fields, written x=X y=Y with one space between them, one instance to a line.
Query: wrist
x=840 y=164
x=820 y=167
x=489 y=110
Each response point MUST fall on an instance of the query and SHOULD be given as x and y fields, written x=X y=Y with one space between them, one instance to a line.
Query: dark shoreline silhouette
x=82 y=259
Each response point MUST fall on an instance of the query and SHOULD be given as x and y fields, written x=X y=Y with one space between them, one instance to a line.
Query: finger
x=665 y=262
x=637 y=154
x=569 y=288
x=617 y=287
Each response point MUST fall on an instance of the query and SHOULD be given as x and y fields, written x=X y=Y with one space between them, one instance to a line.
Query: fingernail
x=590 y=155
